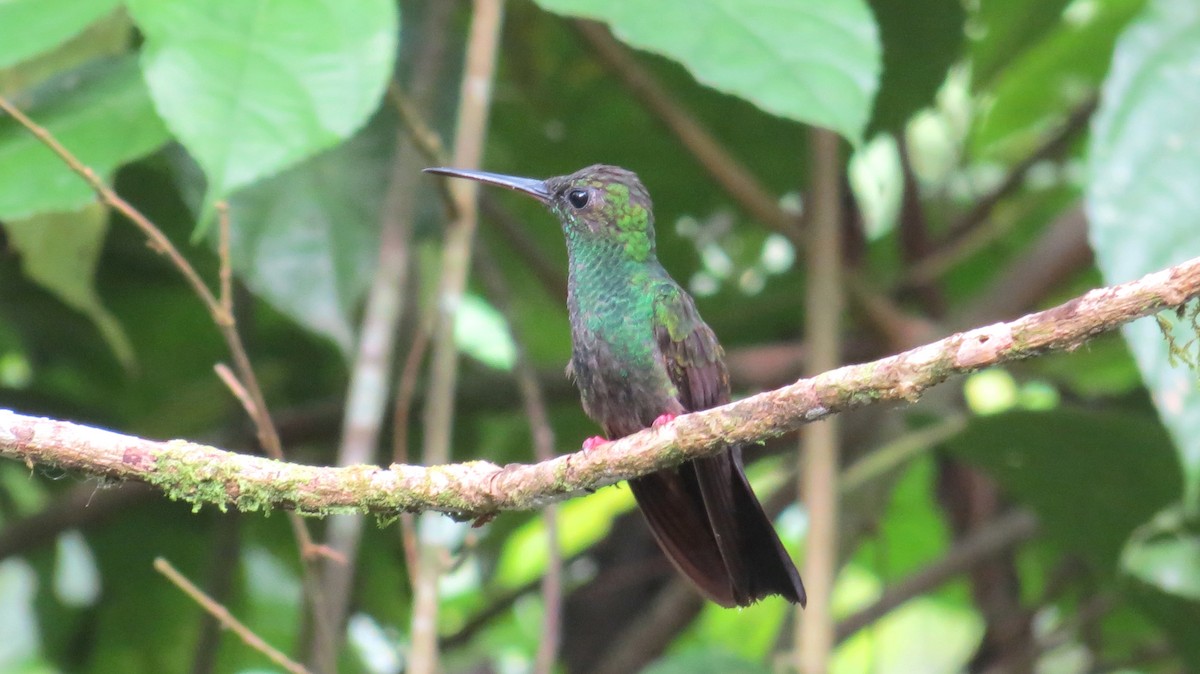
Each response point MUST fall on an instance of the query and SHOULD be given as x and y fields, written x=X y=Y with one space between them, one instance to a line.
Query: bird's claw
x=663 y=419
x=594 y=442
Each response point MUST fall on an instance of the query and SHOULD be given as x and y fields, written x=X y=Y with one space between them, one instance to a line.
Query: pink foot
x=594 y=442
x=663 y=419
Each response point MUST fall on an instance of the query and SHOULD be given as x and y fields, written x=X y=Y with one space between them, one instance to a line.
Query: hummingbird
x=641 y=355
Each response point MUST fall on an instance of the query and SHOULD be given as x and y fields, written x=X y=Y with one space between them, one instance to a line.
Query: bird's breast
x=622 y=381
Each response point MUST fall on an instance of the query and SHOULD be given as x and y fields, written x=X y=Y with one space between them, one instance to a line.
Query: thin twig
x=727 y=170
x=889 y=457
x=158 y=241
x=644 y=638
x=960 y=241
x=543 y=450
x=819 y=443
x=429 y=144
x=235 y=387
x=223 y=615
x=223 y=319
x=366 y=404
x=201 y=474
x=225 y=297
x=1058 y=253
x=474 y=104
x=222 y=567
x=406 y=388
x=79 y=508
x=1002 y=534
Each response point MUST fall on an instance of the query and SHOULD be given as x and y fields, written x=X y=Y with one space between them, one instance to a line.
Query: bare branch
x=202 y=474
x=226 y=618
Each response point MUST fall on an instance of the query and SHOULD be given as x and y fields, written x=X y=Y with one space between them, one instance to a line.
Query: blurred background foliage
x=1002 y=156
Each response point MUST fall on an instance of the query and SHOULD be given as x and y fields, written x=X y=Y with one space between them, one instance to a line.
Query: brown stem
x=1001 y=535
x=430 y=145
x=225 y=273
x=643 y=639
x=267 y=433
x=819 y=442
x=475 y=102
x=367 y=394
x=223 y=615
x=543 y=450
x=1061 y=250
x=1054 y=145
x=202 y=474
x=730 y=174
x=401 y=427
x=965 y=236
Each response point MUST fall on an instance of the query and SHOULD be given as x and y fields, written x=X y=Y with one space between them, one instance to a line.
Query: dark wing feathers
x=752 y=562
x=690 y=351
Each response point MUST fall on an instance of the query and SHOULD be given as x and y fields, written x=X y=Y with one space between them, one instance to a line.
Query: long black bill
x=531 y=186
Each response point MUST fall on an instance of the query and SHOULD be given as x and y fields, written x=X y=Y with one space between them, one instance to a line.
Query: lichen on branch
x=202 y=475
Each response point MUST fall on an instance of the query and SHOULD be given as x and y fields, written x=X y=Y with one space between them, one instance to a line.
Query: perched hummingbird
x=642 y=355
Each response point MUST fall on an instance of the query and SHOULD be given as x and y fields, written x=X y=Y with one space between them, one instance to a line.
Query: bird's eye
x=578 y=198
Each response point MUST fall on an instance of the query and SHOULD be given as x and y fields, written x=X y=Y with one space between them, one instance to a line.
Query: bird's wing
x=690 y=352
x=752 y=561
x=695 y=363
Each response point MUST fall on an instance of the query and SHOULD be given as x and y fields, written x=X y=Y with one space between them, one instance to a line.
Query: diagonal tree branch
x=205 y=475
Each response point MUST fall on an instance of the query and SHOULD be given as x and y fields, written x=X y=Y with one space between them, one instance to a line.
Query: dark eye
x=578 y=198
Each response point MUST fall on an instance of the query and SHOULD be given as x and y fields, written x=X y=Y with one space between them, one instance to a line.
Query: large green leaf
x=252 y=86
x=306 y=240
x=1091 y=478
x=101 y=113
x=59 y=252
x=30 y=27
x=1142 y=200
x=814 y=61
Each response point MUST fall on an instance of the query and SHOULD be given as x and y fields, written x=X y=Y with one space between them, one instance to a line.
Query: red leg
x=663 y=419
x=594 y=442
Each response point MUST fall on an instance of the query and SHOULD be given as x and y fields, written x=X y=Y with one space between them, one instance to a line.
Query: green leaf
x=581 y=522
x=482 y=333
x=1168 y=560
x=1042 y=85
x=306 y=240
x=101 y=113
x=252 y=86
x=813 y=61
x=108 y=37
x=30 y=27
x=1002 y=29
x=59 y=252
x=1142 y=200
x=1092 y=479
x=921 y=40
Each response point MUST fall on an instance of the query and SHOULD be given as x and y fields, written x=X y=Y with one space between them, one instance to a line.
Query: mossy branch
x=206 y=475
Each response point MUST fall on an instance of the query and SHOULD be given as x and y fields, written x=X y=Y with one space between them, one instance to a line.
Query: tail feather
x=713 y=529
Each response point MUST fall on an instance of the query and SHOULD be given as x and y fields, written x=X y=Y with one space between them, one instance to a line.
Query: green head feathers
x=599 y=205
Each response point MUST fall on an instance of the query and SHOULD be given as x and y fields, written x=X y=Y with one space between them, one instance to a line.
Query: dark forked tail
x=713 y=529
